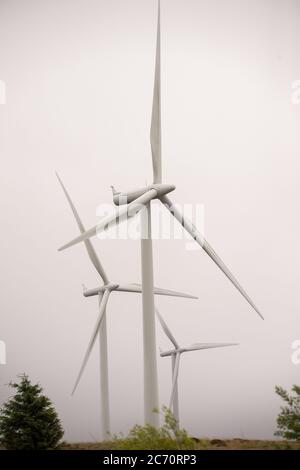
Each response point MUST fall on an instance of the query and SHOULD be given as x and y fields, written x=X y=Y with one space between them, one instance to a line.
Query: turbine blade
x=172 y=293
x=125 y=212
x=199 y=346
x=166 y=329
x=155 y=133
x=137 y=288
x=102 y=306
x=198 y=237
x=175 y=380
x=89 y=247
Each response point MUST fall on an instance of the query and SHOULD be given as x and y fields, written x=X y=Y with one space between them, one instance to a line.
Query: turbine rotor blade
x=137 y=288
x=166 y=329
x=89 y=247
x=123 y=213
x=102 y=306
x=201 y=346
x=155 y=133
x=175 y=380
x=198 y=237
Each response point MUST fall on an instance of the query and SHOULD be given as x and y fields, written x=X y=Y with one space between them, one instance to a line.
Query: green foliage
x=167 y=437
x=288 y=421
x=28 y=420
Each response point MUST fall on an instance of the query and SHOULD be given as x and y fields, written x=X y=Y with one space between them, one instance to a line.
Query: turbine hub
x=162 y=189
x=121 y=198
x=111 y=286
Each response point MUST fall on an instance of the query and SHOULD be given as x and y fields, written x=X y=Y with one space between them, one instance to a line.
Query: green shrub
x=28 y=420
x=167 y=437
x=288 y=421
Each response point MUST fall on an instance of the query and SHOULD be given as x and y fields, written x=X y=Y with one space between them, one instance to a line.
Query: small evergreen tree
x=28 y=420
x=288 y=420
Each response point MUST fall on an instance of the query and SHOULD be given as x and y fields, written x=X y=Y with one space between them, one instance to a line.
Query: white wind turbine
x=100 y=329
x=175 y=355
x=139 y=199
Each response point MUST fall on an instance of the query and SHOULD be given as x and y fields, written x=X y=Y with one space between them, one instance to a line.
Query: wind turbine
x=100 y=329
x=133 y=202
x=175 y=355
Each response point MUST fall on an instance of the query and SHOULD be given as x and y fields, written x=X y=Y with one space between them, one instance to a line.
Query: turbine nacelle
x=122 y=198
x=172 y=352
x=93 y=292
x=100 y=290
x=133 y=288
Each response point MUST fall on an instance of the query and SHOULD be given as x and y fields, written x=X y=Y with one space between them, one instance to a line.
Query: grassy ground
x=205 y=444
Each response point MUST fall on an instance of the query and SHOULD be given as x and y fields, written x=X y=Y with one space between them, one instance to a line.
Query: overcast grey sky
x=79 y=81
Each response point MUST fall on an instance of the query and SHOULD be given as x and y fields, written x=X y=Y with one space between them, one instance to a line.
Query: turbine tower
x=175 y=355
x=151 y=397
x=100 y=329
x=133 y=202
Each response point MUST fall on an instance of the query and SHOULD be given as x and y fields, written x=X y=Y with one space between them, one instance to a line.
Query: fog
x=79 y=82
